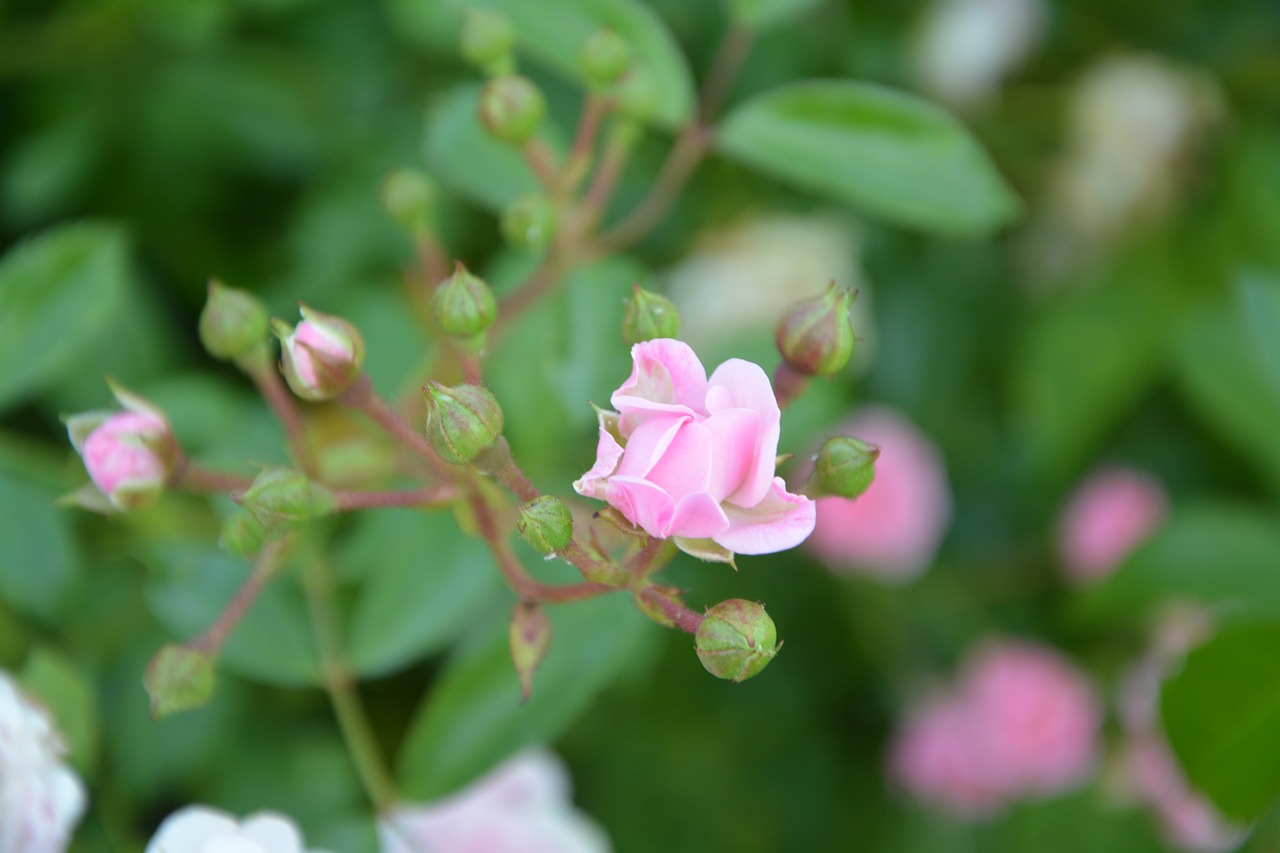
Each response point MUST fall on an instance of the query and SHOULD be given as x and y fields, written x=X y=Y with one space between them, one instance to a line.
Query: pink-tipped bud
x=321 y=356
x=815 y=336
x=129 y=455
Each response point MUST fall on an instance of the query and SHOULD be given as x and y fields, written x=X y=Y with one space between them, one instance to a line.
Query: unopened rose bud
x=487 y=40
x=529 y=223
x=736 y=639
x=648 y=316
x=408 y=197
x=462 y=421
x=178 y=678
x=129 y=455
x=815 y=336
x=282 y=497
x=511 y=108
x=530 y=636
x=844 y=467
x=321 y=356
x=463 y=305
x=242 y=534
x=233 y=326
x=604 y=58
x=545 y=524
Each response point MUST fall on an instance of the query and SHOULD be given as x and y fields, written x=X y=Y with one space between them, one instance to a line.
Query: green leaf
x=273 y=644
x=894 y=155
x=1218 y=370
x=38 y=564
x=1219 y=554
x=463 y=155
x=58 y=292
x=1222 y=717
x=659 y=87
x=62 y=688
x=473 y=717
x=763 y=14
x=422 y=584
x=1258 y=304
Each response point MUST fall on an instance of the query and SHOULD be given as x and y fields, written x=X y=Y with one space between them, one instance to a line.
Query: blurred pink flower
x=1019 y=723
x=41 y=799
x=523 y=806
x=1109 y=515
x=129 y=455
x=200 y=829
x=693 y=457
x=893 y=529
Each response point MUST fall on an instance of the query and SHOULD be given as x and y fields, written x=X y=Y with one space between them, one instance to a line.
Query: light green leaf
x=273 y=644
x=62 y=688
x=58 y=293
x=38 y=564
x=892 y=154
x=763 y=14
x=1219 y=554
x=473 y=717
x=1258 y=303
x=1222 y=717
x=422 y=584
x=659 y=87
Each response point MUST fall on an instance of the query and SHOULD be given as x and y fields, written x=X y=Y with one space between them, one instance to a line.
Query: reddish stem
x=684 y=618
x=281 y=401
x=194 y=478
x=264 y=566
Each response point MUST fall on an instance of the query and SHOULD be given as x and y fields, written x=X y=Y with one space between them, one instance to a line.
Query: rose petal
x=644 y=504
x=666 y=378
x=608 y=452
x=734 y=435
x=698 y=516
x=648 y=444
x=273 y=832
x=742 y=385
x=780 y=521
x=684 y=467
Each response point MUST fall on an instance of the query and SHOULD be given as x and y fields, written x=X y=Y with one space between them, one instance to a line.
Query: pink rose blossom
x=1019 y=723
x=41 y=799
x=198 y=829
x=521 y=807
x=129 y=455
x=693 y=457
x=1109 y=515
x=893 y=529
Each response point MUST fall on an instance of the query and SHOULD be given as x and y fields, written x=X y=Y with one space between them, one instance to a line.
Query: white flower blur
x=41 y=799
x=965 y=48
x=523 y=806
x=199 y=829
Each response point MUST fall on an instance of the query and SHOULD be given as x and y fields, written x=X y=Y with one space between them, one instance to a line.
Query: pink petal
x=733 y=457
x=780 y=521
x=743 y=385
x=648 y=444
x=666 y=378
x=608 y=452
x=698 y=516
x=684 y=467
x=644 y=504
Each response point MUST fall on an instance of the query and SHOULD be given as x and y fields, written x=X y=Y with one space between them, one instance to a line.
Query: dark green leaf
x=422 y=583
x=892 y=154
x=1216 y=553
x=763 y=14
x=1258 y=301
x=272 y=644
x=61 y=687
x=58 y=292
x=473 y=717
x=37 y=561
x=1222 y=716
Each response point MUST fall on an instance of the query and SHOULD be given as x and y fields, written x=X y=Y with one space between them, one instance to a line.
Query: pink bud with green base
x=129 y=455
x=321 y=357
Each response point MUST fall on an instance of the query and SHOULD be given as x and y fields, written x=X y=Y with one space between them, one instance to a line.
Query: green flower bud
x=462 y=421
x=321 y=357
x=242 y=535
x=604 y=58
x=736 y=639
x=545 y=524
x=234 y=325
x=487 y=40
x=409 y=197
x=530 y=634
x=280 y=498
x=649 y=316
x=815 y=336
x=463 y=305
x=179 y=678
x=511 y=108
x=529 y=223
x=844 y=467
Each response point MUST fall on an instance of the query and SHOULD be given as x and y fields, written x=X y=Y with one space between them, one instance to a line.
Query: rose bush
x=692 y=457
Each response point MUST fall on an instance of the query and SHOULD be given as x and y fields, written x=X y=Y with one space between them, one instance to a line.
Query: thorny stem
x=195 y=478
x=339 y=682
x=361 y=396
x=498 y=461
x=684 y=618
x=264 y=567
x=541 y=162
x=273 y=390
